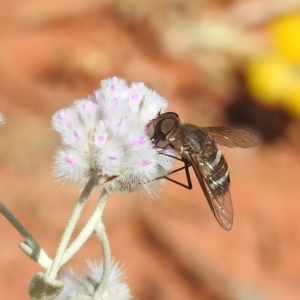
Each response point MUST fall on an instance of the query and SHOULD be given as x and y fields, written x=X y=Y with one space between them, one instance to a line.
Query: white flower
x=2 y=120
x=82 y=288
x=105 y=135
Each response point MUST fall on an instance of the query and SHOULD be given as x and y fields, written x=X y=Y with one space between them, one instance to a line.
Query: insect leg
x=187 y=172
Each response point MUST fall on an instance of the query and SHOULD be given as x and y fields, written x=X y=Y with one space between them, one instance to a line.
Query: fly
x=197 y=147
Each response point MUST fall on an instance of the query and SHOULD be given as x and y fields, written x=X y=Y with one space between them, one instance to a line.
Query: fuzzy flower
x=105 y=135
x=82 y=288
x=2 y=120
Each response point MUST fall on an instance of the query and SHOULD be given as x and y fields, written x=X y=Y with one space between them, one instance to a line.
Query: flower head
x=105 y=135
x=2 y=120
x=82 y=288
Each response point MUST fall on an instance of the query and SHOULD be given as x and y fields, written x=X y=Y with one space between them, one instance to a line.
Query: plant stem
x=36 y=252
x=87 y=230
x=107 y=262
x=52 y=272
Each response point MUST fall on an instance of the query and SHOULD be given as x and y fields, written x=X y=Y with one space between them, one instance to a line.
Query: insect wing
x=232 y=137
x=221 y=205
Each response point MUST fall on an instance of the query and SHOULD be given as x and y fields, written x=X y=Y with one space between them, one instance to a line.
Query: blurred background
x=217 y=62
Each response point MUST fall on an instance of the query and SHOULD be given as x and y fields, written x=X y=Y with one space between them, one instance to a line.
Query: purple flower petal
x=76 y=134
x=134 y=97
x=119 y=124
x=70 y=160
x=145 y=162
x=101 y=138
x=64 y=117
x=115 y=103
x=140 y=140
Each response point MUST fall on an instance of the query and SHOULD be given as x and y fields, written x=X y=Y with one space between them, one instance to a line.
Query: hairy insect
x=197 y=147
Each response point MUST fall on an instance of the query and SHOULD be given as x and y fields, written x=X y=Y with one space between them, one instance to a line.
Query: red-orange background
x=53 y=52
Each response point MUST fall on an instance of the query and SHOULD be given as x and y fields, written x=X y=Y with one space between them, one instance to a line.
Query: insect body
x=198 y=147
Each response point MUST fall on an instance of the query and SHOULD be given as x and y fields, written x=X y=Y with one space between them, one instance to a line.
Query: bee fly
x=197 y=148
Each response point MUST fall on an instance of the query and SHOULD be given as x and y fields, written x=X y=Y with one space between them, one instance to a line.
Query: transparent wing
x=220 y=204
x=232 y=137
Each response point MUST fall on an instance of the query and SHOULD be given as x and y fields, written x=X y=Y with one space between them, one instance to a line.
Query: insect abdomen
x=215 y=171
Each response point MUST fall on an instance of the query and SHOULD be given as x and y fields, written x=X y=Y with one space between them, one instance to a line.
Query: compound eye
x=164 y=127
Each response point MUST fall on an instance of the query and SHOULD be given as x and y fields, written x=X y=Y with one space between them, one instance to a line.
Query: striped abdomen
x=214 y=168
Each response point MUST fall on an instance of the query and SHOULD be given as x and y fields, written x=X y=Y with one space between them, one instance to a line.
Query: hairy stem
x=107 y=261
x=87 y=230
x=34 y=250
x=52 y=272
